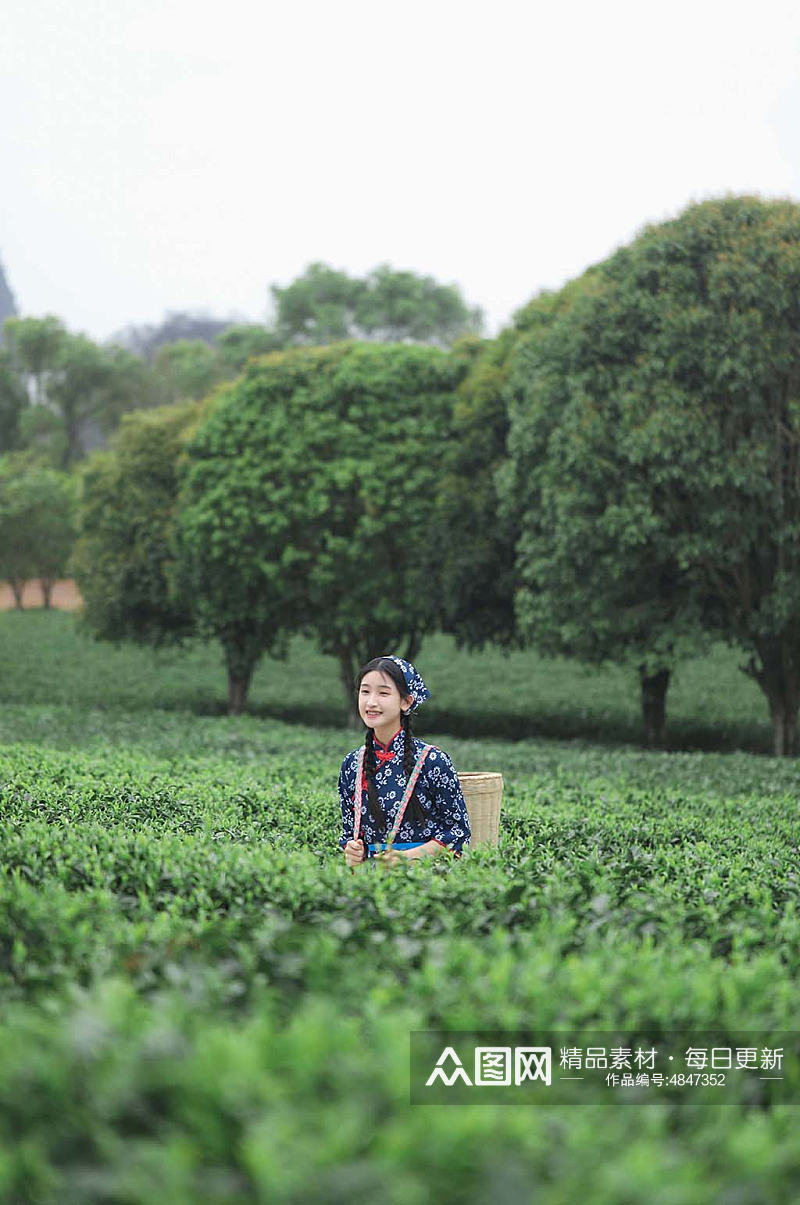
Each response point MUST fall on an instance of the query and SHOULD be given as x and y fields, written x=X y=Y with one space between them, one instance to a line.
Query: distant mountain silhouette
x=8 y=306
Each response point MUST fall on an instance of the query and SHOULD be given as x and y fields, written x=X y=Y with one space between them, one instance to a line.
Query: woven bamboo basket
x=483 y=793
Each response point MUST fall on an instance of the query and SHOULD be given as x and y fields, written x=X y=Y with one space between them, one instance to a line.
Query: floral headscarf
x=416 y=687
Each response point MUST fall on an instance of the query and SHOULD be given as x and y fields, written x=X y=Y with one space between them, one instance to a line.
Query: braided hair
x=414 y=809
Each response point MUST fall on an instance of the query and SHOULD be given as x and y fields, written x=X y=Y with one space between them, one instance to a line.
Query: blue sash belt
x=397 y=845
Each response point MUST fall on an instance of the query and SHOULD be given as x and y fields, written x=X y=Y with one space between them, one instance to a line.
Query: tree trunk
x=47 y=590
x=237 y=692
x=17 y=586
x=347 y=671
x=784 y=729
x=412 y=645
x=654 y=705
x=777 y=675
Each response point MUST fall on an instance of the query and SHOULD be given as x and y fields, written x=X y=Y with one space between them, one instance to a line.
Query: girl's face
x=380 y=704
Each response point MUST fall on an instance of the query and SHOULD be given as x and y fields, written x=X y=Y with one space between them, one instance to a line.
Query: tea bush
x=200 y=1003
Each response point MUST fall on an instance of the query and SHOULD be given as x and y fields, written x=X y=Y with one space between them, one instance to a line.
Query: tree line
x=62 y=394
x=615 y=477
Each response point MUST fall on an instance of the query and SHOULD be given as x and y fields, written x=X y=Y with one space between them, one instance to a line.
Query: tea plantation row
x=199 y=1002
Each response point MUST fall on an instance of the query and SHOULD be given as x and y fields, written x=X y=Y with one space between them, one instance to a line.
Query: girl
x=435 y=818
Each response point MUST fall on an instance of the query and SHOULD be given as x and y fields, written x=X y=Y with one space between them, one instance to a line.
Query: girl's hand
x=389 y=857
x=354 y=853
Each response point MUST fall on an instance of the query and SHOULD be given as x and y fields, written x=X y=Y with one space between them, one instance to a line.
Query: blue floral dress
x=438 y=791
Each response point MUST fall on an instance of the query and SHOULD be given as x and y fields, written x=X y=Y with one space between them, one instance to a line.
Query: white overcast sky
x=184 y=155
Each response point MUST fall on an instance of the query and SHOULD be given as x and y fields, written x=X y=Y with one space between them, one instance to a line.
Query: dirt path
x=64 y=597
